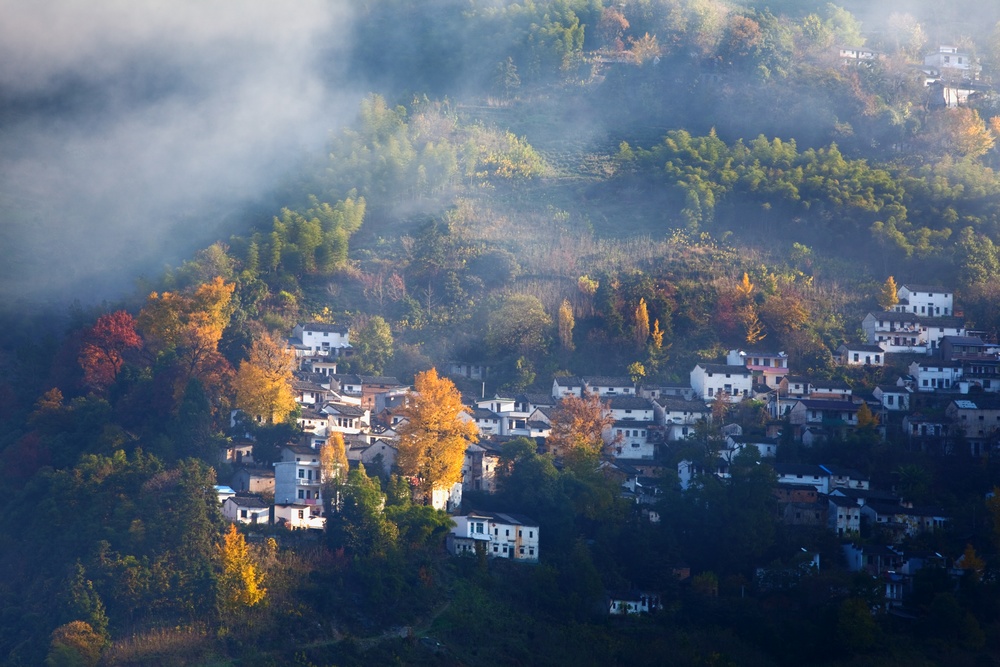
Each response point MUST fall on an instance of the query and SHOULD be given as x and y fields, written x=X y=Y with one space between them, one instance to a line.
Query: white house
x=854 y=56
x=893 y=397
x=609 y=386
x=678 y=416
x=925 y=300
x=247 y=508
x=802 y=473
x=950 y=63
x=309 y=393
x=293 y=515
x=766 y=447
x=347 y=418
x=934 y=374
x=567 y=386
x=319 y=339
x=709 y=380
x=632 y=602
x=502 y=535
x=858 y=354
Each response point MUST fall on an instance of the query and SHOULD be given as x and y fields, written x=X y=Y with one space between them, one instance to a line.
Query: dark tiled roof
x=607 y=381
x=323 y=326
x=725 y=369
x=629 y=403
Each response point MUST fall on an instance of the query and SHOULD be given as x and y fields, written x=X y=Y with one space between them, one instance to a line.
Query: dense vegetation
x=568 y=186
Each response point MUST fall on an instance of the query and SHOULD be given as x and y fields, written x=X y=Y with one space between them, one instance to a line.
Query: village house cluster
x=948 y=398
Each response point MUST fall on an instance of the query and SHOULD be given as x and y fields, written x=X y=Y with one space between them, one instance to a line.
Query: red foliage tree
x=102 y=354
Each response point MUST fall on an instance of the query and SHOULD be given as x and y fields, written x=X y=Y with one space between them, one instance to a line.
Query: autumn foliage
x=433 y=440
x=264 y=380
x=105 y=345
x=578 y=425
x=240 y=584
x=188 y=327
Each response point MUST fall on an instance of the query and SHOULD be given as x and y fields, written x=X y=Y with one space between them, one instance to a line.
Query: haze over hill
x=128 y=132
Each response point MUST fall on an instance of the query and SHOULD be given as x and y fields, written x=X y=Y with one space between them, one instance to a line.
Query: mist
x=130 y=131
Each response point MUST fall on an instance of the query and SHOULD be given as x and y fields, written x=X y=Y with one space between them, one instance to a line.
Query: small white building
x=606 y=387
x=567 y=386
x=858 y=354
x=709 y=380
x=632 y=602
x=247 y=508
x=502 y=535
x=296 y=516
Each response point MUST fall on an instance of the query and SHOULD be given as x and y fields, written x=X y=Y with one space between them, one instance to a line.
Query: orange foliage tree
x=433 y=440
x=105 y=344
x=578 y=425
x=189 y=326
x=264 y=381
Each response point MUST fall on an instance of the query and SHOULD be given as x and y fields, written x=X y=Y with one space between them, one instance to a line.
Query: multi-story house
x=500 y=534
x=678 y=416
x=319 y=339
x=903 y=332
x=769 y=367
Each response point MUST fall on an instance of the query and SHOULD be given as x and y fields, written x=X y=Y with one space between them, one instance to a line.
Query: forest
x=548 y=189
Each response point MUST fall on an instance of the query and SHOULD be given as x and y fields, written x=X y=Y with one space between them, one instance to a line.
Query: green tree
x=519 y=325
x=357 y=522
x=373 y=346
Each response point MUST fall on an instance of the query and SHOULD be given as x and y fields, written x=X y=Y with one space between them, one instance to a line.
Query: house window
x=302 y=494
x=519 y=532
x=302 y=514
x=302 y=473
x=243 y=514
x=531 y=534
